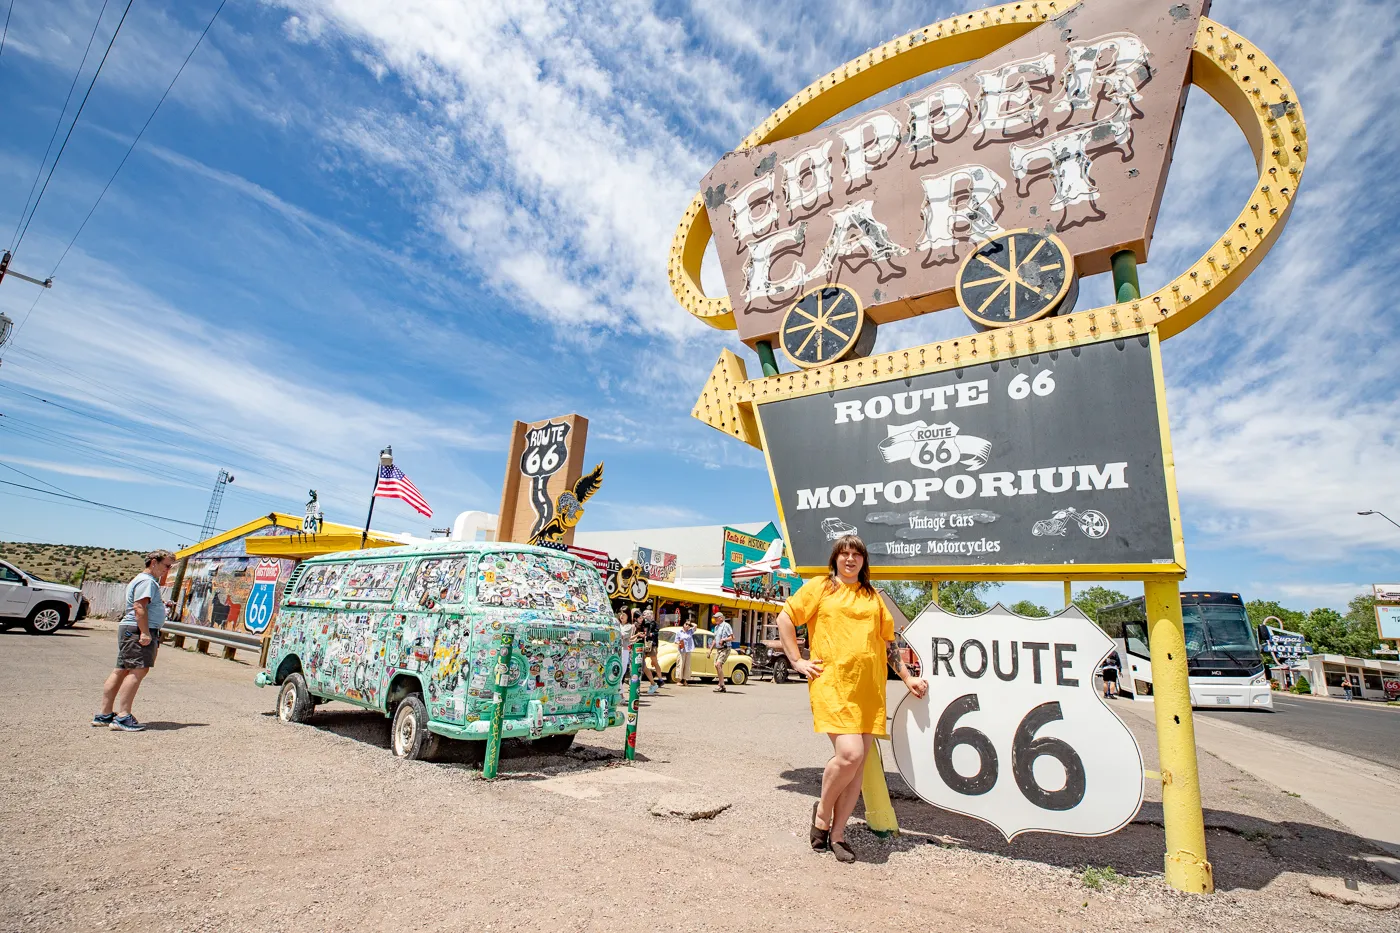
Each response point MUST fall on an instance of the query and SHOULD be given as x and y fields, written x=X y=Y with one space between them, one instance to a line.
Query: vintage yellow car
x=702 y=663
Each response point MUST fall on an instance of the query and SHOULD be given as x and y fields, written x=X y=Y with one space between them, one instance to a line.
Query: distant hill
x=63 y=563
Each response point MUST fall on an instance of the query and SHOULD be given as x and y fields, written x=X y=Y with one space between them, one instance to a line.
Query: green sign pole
x=633 y=691
x=498 y=708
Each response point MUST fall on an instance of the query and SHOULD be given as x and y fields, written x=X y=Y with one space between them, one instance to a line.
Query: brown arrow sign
x=1068 y=129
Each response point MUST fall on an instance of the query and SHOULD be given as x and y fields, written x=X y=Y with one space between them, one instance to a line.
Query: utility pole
x=7 y=326
x=215 y=500
x=6 y=270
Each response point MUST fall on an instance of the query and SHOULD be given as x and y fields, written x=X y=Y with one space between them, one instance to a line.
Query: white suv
x=41 y=606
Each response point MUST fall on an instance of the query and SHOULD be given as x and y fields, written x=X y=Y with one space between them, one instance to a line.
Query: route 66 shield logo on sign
x=1013 y=730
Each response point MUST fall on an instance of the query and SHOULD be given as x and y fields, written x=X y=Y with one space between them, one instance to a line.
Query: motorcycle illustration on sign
x=1092 y=522
x=1012 y=730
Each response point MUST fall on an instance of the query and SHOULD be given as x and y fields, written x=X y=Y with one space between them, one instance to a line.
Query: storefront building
x=234 y=580
x=704 y=558
x=1328 y=673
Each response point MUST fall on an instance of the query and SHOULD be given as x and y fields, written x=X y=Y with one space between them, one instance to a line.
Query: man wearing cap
x=724 y=638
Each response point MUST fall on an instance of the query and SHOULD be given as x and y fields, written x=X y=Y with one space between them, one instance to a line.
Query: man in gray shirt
x=138 y=638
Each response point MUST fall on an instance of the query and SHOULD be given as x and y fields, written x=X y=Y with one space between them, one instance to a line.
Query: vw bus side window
x=437 y=581
x=372 y=580
x=514 y=580
x=319 y=581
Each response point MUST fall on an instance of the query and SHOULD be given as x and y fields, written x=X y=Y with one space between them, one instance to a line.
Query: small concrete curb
x=1366 y=895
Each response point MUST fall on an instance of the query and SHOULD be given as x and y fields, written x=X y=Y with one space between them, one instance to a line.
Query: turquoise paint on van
x=433 y=616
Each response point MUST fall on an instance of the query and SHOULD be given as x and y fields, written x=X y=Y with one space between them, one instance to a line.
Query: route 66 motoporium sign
x=1013 y=731
x=1036 y=462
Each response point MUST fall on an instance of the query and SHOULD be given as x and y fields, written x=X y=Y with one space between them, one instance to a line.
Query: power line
x=129 y=149
x=6 y=33
x=104 y=505
x=76 y=116
x=88 y=508
x=58 y=122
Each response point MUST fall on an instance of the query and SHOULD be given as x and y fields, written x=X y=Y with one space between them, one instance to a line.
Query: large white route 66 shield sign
x=1013 y=731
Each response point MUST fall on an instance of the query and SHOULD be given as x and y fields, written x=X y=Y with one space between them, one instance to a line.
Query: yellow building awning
x=333 y=537
x=300 y=546
x=703 y=597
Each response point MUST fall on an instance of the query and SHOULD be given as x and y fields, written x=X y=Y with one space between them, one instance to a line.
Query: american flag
x=393 y=484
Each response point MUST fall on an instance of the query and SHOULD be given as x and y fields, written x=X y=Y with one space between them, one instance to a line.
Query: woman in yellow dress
x=851 y=635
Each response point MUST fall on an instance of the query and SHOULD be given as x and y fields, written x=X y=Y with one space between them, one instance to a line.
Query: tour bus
x=415 y=632
x=1223 y=659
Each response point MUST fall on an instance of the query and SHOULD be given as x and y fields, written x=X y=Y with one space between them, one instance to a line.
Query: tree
x=964 y=597
x=911 y=596
x=961 y=597
x=1261 y=609
x=1027 y=608
x=1093 y=599
x=1353 y=634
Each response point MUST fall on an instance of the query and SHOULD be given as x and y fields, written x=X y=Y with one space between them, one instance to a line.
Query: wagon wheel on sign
x=826 y=324
x=1017 y=276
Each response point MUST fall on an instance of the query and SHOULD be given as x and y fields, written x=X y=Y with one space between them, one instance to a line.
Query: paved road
x=1361 y=729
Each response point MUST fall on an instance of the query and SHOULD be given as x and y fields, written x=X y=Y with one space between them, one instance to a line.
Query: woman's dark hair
x=850 y=543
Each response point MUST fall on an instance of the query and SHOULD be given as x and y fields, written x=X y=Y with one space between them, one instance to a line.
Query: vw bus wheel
x=409 y=737
x=45 y=620
x=739 y=676
x=294 y=703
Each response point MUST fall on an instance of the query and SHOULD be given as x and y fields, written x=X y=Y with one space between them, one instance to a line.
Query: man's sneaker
x=652 y=689
x=126 y=723
x=103 y=719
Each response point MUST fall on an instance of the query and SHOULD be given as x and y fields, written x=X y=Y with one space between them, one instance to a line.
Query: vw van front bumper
x=264 y=679
x=521 y=728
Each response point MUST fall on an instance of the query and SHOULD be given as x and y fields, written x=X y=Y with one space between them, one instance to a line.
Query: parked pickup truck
x=40 y=606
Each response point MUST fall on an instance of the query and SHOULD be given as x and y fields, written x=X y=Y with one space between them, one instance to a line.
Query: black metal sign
x=1027 y=464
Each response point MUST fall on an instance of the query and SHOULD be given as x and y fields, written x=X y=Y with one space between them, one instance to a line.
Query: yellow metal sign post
x=1230 y=69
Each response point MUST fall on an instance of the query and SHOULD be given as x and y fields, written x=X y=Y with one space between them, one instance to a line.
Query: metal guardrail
x=205 y=636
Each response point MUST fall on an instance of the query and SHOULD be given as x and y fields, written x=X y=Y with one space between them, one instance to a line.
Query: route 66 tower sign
x=1036 y=446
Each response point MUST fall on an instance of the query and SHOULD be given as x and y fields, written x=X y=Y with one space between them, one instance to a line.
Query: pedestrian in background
x=685 y=644
x=1110 y=676
x=723 y=644
x=624 y=622
x=138 y=638
x=650 y=633
x=851 y=633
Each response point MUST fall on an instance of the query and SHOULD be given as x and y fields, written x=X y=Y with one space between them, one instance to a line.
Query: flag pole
x=386 y=458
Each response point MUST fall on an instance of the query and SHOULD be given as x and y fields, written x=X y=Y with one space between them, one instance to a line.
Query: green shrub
x=1302 y=686
x=1095 y=877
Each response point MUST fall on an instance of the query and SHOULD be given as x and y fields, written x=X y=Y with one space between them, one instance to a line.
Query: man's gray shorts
x=131 y=654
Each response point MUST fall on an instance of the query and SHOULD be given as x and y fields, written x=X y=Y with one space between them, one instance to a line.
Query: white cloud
x=294 y=426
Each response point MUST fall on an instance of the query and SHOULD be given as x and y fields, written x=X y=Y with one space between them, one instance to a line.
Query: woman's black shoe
x=842 y=851
x=820 y=837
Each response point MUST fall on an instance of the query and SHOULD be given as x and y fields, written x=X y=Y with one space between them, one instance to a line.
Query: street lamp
x=1381 y=514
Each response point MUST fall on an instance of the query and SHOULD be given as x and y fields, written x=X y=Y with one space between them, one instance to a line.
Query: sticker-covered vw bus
x=416 y=631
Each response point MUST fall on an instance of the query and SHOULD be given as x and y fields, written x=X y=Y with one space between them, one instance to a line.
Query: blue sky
x=358 y=222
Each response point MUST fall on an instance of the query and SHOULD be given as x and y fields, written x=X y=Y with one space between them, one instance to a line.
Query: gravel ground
x=220 y=818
